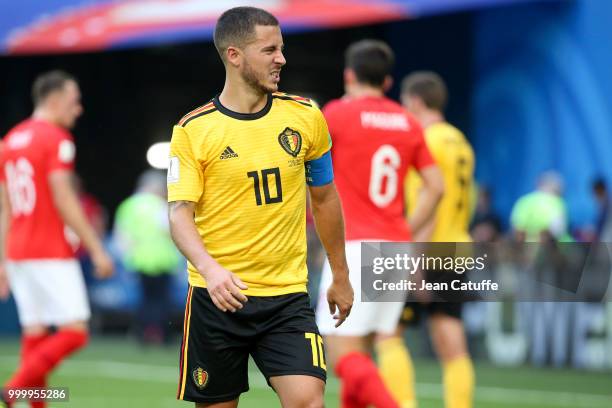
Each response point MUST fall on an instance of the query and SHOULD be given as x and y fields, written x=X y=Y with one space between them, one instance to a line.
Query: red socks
x=29 y=343
x=40 y=356
x=361 y=383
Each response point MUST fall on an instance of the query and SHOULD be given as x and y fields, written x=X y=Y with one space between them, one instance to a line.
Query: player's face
x=263 y=59
x=68 y=104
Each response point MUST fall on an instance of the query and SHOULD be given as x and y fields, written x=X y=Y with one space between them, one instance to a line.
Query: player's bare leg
x=337 y=346
x=82 y=326
x=449 y=342
x=299 y=391
x=34 y=330
x=447 y=336
x=225 y=404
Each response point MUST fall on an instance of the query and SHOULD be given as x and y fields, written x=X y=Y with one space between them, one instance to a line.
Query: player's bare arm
x=69 y=207
x=429 y=197
x=329 y=222
x=223 y=286
x=5 y=210
x=425 y=233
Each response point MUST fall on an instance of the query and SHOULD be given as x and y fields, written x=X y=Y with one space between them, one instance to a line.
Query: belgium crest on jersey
x=291 y=141
x=200 y=377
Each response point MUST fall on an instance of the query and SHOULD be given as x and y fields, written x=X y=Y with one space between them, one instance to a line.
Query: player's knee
x=77 y=326
x=318 y=403
x=34 y=330
x=306 y=400
x=309 y=394
x=449 y=346
x=337 y=347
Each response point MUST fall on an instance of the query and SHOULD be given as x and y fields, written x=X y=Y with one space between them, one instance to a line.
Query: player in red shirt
x=375 y=143
x=36 y=259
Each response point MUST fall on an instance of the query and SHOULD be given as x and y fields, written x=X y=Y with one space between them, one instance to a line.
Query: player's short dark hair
x=236 y=26
x=47 y=83
x=428 y=86
x=599 y=184
x=371 y=60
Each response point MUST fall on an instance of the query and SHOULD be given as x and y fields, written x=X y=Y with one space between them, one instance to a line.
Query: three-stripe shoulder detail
x=196 y=113
x=286 y=97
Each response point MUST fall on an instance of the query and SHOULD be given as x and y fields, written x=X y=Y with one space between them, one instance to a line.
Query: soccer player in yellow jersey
x=424 y=94
x=237 y=191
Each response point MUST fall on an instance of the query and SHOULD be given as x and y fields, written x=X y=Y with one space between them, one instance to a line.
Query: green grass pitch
x=119 y=373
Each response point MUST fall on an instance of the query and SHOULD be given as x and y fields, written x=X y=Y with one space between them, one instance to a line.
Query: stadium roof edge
x=31 y=27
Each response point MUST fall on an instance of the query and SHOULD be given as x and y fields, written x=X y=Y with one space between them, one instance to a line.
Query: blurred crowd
x=146 y=295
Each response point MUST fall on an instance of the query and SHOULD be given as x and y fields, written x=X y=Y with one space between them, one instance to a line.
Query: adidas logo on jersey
x=228 y=153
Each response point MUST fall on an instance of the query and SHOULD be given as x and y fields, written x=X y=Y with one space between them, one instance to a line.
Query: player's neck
x=242 y=98
x=45 y=116
x=429 y=118
x=364 y=91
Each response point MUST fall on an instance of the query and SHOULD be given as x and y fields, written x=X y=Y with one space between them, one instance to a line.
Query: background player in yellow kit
x=236 y=186
x=424 y=94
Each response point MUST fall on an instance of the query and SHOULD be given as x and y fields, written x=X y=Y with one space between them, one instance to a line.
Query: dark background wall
x=132 y=98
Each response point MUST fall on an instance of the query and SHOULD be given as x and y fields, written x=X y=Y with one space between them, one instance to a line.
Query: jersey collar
x=243 y=116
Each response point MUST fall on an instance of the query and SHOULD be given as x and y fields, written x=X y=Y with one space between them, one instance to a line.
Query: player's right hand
x=103 y=265
x=225 y=288
x=4 y=285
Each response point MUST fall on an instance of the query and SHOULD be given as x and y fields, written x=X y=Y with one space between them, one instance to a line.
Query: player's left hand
x=103 y=264
x=4 y=285
x=340 y=298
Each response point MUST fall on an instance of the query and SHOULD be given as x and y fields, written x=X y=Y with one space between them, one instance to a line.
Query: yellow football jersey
x=455 y=158
x=246 y=173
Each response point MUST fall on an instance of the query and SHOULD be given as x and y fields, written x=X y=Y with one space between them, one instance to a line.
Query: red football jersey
x=31 y=151
x=375 y=142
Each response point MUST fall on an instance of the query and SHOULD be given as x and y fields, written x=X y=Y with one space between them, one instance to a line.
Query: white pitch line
x=169 y=374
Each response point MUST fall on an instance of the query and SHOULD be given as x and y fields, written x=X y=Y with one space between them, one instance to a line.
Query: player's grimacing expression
x=66 y=104
x=263 y=59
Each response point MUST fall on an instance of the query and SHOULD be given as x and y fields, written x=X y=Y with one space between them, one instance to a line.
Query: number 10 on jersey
x=265 y=173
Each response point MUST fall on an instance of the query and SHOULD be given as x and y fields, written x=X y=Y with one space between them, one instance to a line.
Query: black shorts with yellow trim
x=414 y=312
x=441 y=301
x=279 y=332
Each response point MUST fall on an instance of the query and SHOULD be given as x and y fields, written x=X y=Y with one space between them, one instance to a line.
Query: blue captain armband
x=320 y=172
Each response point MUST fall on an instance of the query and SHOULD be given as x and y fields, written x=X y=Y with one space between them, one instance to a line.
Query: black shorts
x=279 y=332
x=414 y=311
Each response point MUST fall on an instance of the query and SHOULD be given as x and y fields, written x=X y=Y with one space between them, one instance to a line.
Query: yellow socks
x=396 y=369
x=459 y=382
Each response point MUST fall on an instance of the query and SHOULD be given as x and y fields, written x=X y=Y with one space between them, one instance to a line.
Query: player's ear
x=54 y=99
x=349 y=76
x=233 y=56
x=418 y=102
x=387 y=83
x=405 y=99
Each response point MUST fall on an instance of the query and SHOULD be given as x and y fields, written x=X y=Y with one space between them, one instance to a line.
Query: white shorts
x=50 y=292
x=365 y=317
